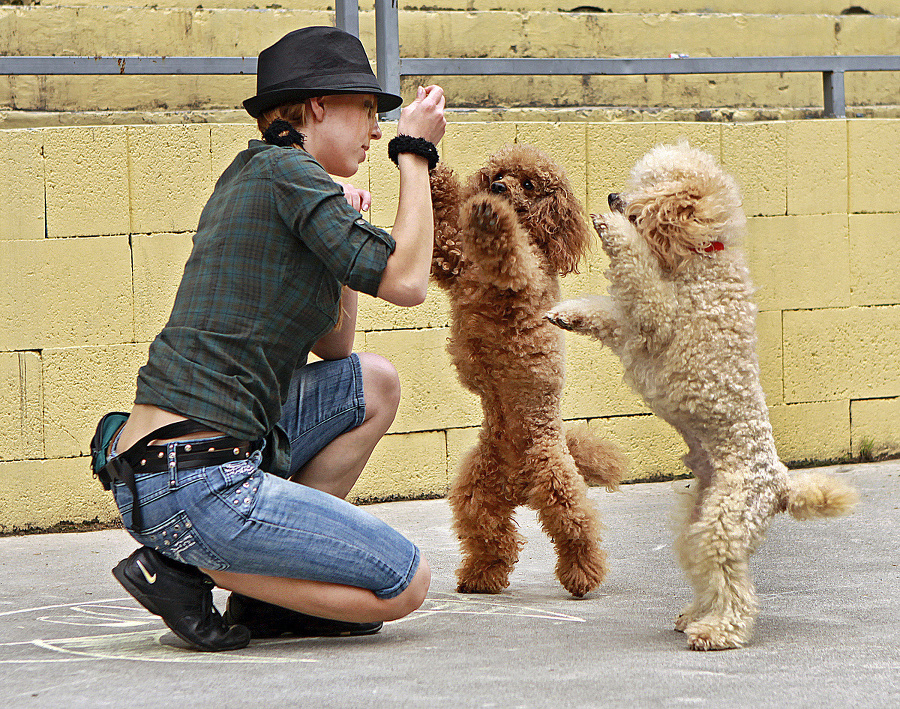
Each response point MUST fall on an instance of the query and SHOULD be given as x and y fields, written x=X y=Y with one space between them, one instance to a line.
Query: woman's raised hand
x=424 y=116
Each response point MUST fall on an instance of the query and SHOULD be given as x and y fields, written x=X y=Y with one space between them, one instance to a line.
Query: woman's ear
x=315 y=108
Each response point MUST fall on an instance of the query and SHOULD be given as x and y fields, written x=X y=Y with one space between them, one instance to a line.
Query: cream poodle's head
x=539 y=191
x=682 y=203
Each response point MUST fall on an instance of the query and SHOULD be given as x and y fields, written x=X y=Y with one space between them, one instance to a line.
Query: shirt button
x=361 y=221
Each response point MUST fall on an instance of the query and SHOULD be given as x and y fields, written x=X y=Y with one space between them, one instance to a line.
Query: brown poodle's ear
x=559 y=222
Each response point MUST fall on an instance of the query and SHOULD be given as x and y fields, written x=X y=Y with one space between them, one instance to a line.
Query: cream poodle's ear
x=559 y=224
x=678 y=219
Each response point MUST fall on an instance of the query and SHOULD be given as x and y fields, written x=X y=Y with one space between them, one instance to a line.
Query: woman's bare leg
x=336 y=468
x=328 y=600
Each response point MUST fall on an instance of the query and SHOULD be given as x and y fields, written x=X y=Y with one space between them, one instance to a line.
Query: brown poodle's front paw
x=491 y=579
x=582 y=574
x=490 y=224
x=484 y=217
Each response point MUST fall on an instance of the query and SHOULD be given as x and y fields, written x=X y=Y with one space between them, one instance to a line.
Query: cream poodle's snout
x=616 y=202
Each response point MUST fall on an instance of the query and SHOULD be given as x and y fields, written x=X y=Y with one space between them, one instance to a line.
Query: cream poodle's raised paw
x=681 y=318
x=591 y=315
x=612 y=230
x=509 y=234
x=569 y=315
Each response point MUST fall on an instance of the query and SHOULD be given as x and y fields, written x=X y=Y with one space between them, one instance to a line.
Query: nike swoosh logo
x=151 y=578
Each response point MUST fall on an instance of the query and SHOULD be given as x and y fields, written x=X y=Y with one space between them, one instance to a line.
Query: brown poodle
x=681 y=317
x=500 y=243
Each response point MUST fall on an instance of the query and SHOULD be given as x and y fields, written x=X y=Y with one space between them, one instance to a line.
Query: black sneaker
x=182 y=596
x=265 y=620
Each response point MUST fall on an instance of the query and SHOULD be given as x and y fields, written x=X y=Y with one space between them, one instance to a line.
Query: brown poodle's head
x=539 y=191
x=682 y=203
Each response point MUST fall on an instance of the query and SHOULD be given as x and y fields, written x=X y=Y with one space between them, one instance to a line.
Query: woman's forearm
x=405 y=278
x=338 y=343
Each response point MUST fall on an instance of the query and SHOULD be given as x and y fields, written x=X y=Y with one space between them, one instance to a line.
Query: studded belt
x=192 y=454
x=184 y=455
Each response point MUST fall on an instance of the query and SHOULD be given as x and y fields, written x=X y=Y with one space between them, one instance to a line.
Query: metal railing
x=390 y=67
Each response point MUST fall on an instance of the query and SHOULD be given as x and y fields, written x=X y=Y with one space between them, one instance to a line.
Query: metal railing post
x=833 y=85
x=346 y=16
x=387 y=50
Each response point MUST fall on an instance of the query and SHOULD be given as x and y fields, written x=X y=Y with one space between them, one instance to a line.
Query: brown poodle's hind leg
x=559 y=495
x=483 y=521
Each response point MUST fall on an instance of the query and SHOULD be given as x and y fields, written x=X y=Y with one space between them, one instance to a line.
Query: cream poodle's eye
x=527 y=184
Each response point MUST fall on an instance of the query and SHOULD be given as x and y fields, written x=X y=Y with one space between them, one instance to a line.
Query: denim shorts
x=236 y=517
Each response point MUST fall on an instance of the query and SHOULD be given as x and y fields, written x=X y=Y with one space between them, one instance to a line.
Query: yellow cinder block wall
x=96 y=223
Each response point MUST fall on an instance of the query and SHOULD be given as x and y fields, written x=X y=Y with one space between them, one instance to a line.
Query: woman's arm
x=405 y=278
x=338 y=343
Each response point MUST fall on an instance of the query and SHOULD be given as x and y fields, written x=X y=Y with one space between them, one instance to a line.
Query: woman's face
x=340 y=140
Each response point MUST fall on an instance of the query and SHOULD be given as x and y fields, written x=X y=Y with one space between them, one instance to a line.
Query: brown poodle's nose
x=616 y=203
x=498 y=187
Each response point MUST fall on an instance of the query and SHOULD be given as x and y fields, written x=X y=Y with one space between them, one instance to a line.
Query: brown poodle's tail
x=600 y=462
x=812 y=494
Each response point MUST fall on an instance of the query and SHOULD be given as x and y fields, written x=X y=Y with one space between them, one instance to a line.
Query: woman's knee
x=381 y=385
x=413 y=596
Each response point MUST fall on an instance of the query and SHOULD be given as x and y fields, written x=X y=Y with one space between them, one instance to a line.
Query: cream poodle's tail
x=812 y=495
x=599 y=461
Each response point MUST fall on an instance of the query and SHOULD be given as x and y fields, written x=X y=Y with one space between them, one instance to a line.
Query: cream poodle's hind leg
x=483 y=521
x=713 y=550
x=697 y=461
x=559 y=494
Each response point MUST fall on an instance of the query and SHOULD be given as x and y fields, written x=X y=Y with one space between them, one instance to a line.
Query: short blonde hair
x=293 y=113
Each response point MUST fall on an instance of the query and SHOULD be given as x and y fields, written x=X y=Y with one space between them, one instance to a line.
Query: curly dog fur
x=682 y=320
x=500 y=243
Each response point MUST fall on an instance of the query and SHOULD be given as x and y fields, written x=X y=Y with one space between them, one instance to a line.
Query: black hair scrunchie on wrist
x=416 y=146
x=283 y=134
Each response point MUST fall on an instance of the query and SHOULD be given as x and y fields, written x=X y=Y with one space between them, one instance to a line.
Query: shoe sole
x=142 y=598
x=336 y=634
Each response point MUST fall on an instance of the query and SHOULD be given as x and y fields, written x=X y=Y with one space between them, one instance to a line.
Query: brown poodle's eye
x=527 y=184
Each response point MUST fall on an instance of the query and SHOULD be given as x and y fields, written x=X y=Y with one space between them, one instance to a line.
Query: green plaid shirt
x=275 y=243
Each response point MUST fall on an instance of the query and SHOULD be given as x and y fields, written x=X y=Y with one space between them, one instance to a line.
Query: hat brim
x=260 y=103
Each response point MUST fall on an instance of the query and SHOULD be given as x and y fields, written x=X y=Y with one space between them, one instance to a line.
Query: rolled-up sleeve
x=315 y=209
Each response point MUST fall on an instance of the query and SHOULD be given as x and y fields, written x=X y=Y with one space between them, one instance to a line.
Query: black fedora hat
x=315 y=61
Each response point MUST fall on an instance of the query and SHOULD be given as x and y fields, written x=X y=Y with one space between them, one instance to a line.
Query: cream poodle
x=501 y=241
x=681 y=317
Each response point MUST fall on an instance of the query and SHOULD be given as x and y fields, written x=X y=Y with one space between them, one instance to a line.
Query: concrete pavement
x=827 y=634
